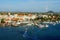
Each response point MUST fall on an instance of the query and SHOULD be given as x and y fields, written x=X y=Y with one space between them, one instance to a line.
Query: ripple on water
x=30 y=33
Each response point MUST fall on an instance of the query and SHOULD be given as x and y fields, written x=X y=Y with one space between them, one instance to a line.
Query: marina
x=29 y=19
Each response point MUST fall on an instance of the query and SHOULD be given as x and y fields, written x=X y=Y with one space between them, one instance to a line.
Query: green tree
x=2 y=20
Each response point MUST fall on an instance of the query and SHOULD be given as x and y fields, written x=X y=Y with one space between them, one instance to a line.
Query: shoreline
x=27 y=24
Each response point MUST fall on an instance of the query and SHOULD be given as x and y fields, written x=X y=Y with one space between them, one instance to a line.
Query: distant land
x=12 y=12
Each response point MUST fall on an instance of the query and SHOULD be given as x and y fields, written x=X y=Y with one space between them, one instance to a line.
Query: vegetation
x=2 y=20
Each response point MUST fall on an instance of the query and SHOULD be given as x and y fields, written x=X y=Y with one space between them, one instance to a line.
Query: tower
x=46 y=8
x=9 y=13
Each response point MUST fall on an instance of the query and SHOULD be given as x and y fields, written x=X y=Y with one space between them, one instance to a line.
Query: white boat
x=54 y=24
x=46 y=22
x=41 y=26
x=29 y=24
x=18 y=23
x=47 y=25
x=59 y=21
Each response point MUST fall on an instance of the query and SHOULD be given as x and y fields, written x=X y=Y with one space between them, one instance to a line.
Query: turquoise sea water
x=30 y=33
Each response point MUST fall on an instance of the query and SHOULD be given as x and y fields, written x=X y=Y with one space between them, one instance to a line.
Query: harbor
x=29 y=27
x=29 y=19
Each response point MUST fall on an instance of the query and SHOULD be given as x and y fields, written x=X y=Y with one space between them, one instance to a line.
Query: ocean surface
x=30 y=33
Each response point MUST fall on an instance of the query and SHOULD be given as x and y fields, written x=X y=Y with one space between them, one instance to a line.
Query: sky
x=30 y=5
